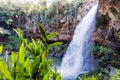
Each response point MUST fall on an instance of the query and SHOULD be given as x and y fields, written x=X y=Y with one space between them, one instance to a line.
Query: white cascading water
x=78 y=58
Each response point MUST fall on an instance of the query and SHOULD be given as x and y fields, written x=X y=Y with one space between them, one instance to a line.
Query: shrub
x=115 y=75
x=106 y=56
x=85 y=77
x=12 y=42
x=101 y=50
x=31 y=61
x=1 y=47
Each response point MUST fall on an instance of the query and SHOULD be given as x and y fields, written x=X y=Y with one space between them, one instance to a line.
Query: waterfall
x=78 y=58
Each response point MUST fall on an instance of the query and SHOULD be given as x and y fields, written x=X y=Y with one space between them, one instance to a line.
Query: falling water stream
x=78 y=58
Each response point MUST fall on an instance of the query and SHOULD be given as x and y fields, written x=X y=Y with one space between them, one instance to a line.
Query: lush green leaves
x=115 y=75
x=102 y=50
x=14 y=57
x=106 y=56
x=27 y=66
x=20 y=34
x=10 y=42
x=21 y=53
x=43 y=34
x=55 y=44
x=1 y=48
x=5 y=71
x=51 y=35
x=85 y=77
x=31 y=61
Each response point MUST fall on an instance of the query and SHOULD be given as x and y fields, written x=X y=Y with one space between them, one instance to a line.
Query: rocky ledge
x=107 y=30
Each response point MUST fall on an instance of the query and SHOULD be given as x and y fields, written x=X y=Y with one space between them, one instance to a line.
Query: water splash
x=4 y=31
x=78 y=58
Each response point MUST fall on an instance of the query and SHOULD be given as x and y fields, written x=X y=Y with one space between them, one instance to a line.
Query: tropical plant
x=13 y=42
x=101 y=50
x=31 y=61
x=1 y=47
x=10 y=42
x=115 y=75
x=106 y=56
x=85 y=77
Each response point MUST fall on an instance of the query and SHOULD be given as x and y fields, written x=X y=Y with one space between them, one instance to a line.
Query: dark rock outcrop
x=107 y=30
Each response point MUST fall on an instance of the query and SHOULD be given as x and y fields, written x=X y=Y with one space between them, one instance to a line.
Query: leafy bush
x=1 y=47
x=12 y=42
x=116 y=75
x=106 y=56
x=31 y=61
x=101 y=50
x=85 y=77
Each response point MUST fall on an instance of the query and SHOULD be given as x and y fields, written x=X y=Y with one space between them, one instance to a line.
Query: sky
x=24 y=1
x=21 y=1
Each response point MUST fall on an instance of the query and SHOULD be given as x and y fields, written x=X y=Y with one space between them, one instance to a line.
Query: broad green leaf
x=43 y=58
x=34 y=43
x=46 y=50
x=55 y=69
x=51 y=35
x=36 y=62
x=4 y=70
x=20 y=34
x=38 y=49
x=20 y=71
x=58 y=77
x=27 y=66
x=1 y=48
x=13 y=57
x=46 y=77
x=55 y=44
x=21 y=53
x=43 y=34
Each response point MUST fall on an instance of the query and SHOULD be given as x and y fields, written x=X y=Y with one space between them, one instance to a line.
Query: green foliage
x=43 y=34
x=12 y=42
x=59 y=9
x=6 y=15
x=116 y=75
x=106 y=56
x=9 y=11
x=20 y=34
x=31 y=14
x=1 y=47
x=46 y=37
x=103 y=20
x=85 y=77
x=119 y=35
x=5 y=71
x=30 y=62
x=101 y=50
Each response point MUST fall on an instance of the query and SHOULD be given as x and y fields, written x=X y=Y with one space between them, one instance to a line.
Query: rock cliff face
x=107 y=30
x=67 y=23
x=64 y=21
